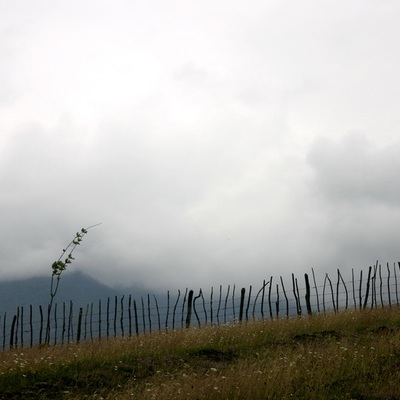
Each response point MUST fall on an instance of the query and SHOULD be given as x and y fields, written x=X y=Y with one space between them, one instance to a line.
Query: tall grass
x=349 y=355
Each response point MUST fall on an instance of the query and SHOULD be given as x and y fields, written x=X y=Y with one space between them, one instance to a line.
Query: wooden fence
x=126 y=316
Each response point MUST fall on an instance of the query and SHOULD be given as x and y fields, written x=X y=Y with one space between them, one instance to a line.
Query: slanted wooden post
x=367 y=291
x=158 y=314
x=316 y=288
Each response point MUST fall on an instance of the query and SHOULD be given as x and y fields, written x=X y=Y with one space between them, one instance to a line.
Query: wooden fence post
x=41 y=324
x=286 y=298
x=167 y=314
x=115 y=315
x=316 y=289
x=262 y=299
x=99 y=319
x=91 y=321
x=143 y=316
x=219 y=303
x=395 y=283
x=388 y=285
x=183 y=307
x=148 y=311
x=136 y=318
x=332 y=293
x=211 y=306
x=226 y=302
x=204 y=308
x=12 y=331
x=174 y=312
x=381 y=286
x=345 y=289
x=367 y=291
x=108 y=319
x=63 y=327
x=308 y=294
x=233 y=302
x=78 y=334
x=189 y=309
x=194 y=307
x=296 y=297
x=248 y=303
x=242 y=294
x=31 y=323
x=121 y=321
x=130 y=315
x=269 y=299
x=70 y=326
x=158 y=313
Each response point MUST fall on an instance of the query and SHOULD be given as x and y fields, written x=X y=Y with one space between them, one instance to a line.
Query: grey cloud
x=356 y=169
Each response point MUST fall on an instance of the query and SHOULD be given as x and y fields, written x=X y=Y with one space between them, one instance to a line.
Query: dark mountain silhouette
x=77 y=287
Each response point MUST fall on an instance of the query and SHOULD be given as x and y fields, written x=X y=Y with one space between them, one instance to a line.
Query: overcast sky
x=217 y=141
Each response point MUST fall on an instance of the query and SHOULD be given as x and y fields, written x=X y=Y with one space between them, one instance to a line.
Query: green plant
x=59 y=266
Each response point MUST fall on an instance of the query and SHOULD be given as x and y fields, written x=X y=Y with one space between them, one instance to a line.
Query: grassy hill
x=349 y=355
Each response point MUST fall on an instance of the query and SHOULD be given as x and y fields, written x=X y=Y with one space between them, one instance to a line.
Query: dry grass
x=350 y=355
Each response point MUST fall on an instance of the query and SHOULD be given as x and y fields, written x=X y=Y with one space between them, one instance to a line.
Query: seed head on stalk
x=61 y=264
x=57 y=269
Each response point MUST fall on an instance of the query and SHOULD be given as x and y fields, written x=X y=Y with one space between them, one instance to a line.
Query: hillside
x=348 y=355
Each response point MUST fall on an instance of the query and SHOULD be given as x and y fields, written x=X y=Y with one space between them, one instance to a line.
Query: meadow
x=345 y=355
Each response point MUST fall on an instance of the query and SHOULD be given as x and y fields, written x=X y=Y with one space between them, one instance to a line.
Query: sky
x=218 y=142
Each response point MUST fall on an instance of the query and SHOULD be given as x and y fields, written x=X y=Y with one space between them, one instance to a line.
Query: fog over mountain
x=217 y=142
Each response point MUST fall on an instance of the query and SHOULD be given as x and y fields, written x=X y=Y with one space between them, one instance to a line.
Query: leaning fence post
x=189 y=309
x=248 y=303
x=286 y=298
x=158 y=313
x=308 y=304
x=367 y=291
x=12 y=332
x=194 y=306
x=333 y=296
x=345 y=289
x=316 y=289
x=226 y=302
